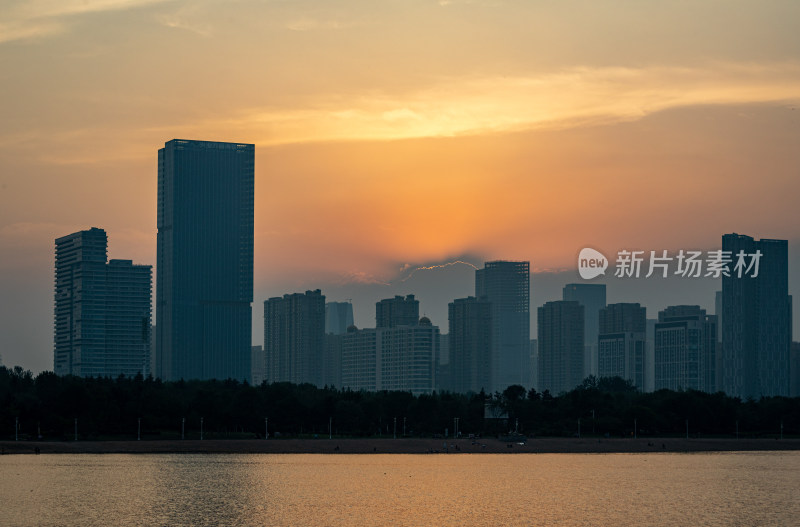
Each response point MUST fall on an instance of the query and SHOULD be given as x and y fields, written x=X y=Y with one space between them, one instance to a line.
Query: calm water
x=519 y=489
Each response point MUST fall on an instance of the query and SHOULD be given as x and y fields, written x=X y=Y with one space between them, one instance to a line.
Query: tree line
x=46 y=406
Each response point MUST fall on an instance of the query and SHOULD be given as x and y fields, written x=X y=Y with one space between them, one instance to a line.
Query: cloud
x=567 y=98
x=42 y=18
x=28 y=29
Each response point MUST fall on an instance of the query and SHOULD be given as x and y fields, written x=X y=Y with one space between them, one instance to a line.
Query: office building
x=685 y=349
x=622 y=342
x=560 y=341
x=205 y=260
x=506 y=285
x=102 y=310
x=470 y=345
x=294 y=338
x=593 y=299
x=756 y=318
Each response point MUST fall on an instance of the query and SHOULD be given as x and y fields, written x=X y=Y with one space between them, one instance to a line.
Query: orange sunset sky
x=397 y=134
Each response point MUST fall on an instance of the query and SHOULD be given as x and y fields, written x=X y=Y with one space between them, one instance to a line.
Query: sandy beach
x=399 y=446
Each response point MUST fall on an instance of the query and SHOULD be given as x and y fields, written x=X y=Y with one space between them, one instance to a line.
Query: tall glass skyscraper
x=507 y=286
x=756 y=320
x=205 y=260
x=102 y=310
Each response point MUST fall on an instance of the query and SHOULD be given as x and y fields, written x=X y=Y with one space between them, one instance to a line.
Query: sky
x=392 y=135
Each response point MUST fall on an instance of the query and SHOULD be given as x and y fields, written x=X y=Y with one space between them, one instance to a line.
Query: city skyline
x=562 y=287
x=308 y=251
x=478 y=131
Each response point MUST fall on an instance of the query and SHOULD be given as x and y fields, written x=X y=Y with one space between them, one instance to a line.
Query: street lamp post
x=183 y=427
x=394 y=429
x=76 y=429
x=266 y=428
x=16 y=429
x=201 y=429
x=139 y=430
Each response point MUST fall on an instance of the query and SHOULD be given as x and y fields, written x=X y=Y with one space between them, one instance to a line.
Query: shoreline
x=401 y=446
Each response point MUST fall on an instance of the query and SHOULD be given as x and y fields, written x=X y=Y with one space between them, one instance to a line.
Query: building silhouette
x=506 y=285
x=360 y=359
x=756 y=320
x=470 y=345
x=622 y=342
x=294 y=338
x=593 y=299
x=560 y=341
x=408 y=357
x=794 y=370
x=534 y=350
x=257 y=365
x=650 y=355
x=205 y=260
x=102 y=310
x=685 y=349
x=332 y=360
x=719 y=370
x=338 y=317
x=400 y=358
x=397 y=311
x=443 y=381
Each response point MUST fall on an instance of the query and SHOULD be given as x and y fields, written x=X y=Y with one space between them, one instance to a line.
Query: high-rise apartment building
x=399 y=358
x=205 y=260
x=506 y=285
x=102 y=310
x=294 y=338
